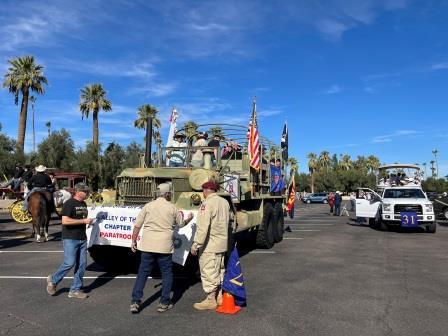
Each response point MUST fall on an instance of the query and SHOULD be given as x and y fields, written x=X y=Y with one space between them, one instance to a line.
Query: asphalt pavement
x=329 y=276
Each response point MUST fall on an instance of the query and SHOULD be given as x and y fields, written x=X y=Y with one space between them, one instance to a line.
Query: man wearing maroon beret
x=210 y=244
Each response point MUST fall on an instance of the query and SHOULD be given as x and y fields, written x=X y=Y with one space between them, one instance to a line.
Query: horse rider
x=39 y=182
x=15 y=181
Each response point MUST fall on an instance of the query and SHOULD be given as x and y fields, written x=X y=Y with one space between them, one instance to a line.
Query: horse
x=40 y=207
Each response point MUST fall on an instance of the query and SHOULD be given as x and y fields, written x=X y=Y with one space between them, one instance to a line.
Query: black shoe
x=135 y=308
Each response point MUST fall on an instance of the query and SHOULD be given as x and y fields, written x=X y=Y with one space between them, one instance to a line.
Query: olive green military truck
x=254 y=208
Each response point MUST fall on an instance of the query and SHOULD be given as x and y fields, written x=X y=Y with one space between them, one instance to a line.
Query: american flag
x=254 y=145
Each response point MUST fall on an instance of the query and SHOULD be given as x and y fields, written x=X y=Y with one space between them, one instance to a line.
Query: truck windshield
x=404 y=193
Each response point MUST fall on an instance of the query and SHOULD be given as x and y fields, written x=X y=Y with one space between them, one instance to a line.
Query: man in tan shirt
x=158 y=219
x=210 y=243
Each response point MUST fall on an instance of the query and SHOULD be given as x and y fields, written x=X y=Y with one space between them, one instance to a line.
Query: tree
x=24 y=75
x=113 y=160
x=217 y=131
x=191 y=129
x=324 y=160
x=145 y=111
x=87 y=161
x=346 y=162
x=133 y=153
x=93 y=99
x=57 y=151
x=373 y=163
x=7 y=155
x=312 y=166
x=48 y=126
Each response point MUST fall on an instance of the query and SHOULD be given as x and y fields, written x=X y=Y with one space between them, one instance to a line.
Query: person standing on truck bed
x=74 y=221
x=158 y=219
x=210 y=243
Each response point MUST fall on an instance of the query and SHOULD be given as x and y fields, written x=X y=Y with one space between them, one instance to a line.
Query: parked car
x=316 y=198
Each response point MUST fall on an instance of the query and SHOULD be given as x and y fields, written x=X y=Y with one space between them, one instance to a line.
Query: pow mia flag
x=284 y=143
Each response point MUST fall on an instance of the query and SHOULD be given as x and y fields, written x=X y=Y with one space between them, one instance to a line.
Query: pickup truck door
x=367 y=203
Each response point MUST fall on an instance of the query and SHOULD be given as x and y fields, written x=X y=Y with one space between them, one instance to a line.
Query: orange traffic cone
x=228 y=305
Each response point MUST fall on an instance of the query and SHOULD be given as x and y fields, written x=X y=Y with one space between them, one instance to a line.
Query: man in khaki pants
x=210 y=243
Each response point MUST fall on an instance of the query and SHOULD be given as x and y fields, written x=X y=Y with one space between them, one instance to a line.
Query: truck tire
x=445 y=213
x=279 y=222
x=381 y=226
x=432 y=228
x=265 y=234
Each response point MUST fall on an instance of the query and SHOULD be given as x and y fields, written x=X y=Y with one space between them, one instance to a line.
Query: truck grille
x=135 y=190
x=417 y=208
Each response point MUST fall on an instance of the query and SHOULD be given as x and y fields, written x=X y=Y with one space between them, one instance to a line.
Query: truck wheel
x=265 y=234
x=372 y=223
x=381 y=226
x=279 y=222
x=445 y=213
x=432 y=228
x=325 y=201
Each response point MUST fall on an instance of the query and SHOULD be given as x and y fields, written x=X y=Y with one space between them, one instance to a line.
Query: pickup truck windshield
x=403 y=193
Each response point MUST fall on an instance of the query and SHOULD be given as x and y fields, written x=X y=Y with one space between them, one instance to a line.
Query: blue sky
x=356 y=77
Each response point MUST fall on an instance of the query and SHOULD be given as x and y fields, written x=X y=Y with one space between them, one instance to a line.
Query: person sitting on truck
x=158 y=219
x=198 y=157
x=215 y=143
x=177 y=157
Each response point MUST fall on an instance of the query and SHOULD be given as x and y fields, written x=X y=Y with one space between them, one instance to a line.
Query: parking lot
x=329 y=276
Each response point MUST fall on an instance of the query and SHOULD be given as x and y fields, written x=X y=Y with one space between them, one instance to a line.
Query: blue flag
x=233 y=279
x=277 y=182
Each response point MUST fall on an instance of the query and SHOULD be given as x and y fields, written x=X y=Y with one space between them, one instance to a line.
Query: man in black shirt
x=38 y=181
x=215 y=143
x=15 y=181
x=74 y=221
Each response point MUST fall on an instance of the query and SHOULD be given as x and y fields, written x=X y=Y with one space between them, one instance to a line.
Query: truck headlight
x=428 y=208
x=386 y=207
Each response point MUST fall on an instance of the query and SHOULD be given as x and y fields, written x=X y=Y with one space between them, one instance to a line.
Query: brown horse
x=40 y=207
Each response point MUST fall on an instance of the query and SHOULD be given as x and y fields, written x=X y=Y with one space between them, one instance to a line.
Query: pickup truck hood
x=406 y=200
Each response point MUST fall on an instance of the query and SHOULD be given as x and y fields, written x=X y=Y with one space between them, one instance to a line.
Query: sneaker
x=51 y=287
x=135 y=308
x=78 y=294
x=164 y=307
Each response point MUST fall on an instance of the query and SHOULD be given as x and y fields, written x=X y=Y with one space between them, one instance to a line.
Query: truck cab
x=398 y=201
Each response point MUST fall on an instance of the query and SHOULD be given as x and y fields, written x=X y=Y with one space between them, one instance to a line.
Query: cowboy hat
x=41 y=168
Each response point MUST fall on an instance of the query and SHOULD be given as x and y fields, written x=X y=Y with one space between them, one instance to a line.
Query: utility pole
x=435 y=151
x=433 y=174
x=33 y=100
x=424 y=165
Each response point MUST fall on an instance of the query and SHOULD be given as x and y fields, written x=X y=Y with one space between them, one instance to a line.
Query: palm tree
x=346 y=162
x=93 y=99
x=145 y=111
x=33 y=102
x=324 y=160
x=312 y=166
x=373 y=163
x=292 y=161
x=216 y=131
x=24 y=75
x=48 y=125
x=191 y=128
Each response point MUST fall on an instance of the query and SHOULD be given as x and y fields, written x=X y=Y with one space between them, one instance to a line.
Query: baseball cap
x=164 y=187
x=81 y=186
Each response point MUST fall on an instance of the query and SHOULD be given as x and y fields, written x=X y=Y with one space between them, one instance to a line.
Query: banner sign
x=114 y=226
x=409 y=219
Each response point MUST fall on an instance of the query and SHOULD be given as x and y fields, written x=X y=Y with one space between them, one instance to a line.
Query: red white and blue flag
x=254 y=144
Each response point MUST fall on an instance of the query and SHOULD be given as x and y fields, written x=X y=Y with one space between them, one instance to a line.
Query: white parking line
x=305 y=230
x=291 y=238
x=309 y=224
x=262 y=252
x=31 y=251
x=84 y=277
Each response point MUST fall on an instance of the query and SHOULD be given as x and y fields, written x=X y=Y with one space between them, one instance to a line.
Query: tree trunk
x=312 y=182
x=22 y=121
x=95 y=128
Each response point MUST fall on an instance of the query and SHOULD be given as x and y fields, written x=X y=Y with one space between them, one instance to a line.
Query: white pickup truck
x=399 y=200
